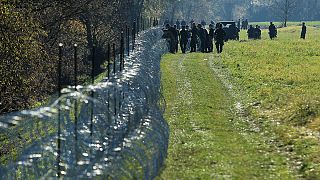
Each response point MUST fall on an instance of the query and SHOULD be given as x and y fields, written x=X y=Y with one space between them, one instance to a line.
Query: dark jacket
x=219 y=35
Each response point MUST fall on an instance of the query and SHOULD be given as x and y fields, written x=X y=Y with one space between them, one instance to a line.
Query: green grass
x=308 y=23
x=207 y=140
x=281 y=79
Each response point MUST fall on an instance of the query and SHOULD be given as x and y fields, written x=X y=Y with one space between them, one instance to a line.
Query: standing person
x=211 y=36
x=166 y=22
x=203 y=23
x=168 y=34
x=234 y=32
x=243 y=23
x=257 y=32
x=303 y=31
x=203 y=33
x=239 y=24
x=183 y=39
x=272 y=31
x=212 y=22
x=246 y=24
x=191 y=22
x=194 y=38
x=189 y=37
x=183 y=23
x=176 y=35
x=219 y=35
x=178 y=24
x=251 y=32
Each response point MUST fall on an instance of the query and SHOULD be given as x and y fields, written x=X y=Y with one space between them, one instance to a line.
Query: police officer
x=168 y=34
x=272 y=31
x=183 y=23
x=194 y=38
x=257 y=32
x=303 y=31
x=211 y=37
x=183 y=39
x=203 y=33
x=178 y=24
x=219 y=35
x=176 y=36
x=251 y=32
x=234 y=31
x=239 y=24
x=189 y=37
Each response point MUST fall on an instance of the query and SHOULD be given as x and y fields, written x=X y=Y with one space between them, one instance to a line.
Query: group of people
x=196 y=38
x=254 y=33
x=243 y=24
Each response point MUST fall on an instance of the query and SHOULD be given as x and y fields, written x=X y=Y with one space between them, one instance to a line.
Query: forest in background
x=254 y=10
x=30 y=32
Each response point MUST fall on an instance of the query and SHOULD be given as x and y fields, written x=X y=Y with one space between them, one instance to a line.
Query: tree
x=285 y=8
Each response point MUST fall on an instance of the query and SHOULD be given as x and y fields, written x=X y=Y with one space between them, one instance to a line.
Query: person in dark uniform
x=166 y=22
x=203 y=23
x=183 y=23
x=219 y=35
x=176 y=35
x=257 y=32
x=246 y=24
x=183 y=39
x=194 y=38
x=242 y=24
x=234 y=32
x=178 y=24
x=191 y=22
x=203 y=33
x=168 y=34
x=189 y=37
x=239 y=24
x=251 y=32
x=211 y=37
x=272 y=31
x=303 y=31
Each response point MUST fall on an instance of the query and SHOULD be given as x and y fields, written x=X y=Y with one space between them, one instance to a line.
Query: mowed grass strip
x=205 y=143
x=281 y=79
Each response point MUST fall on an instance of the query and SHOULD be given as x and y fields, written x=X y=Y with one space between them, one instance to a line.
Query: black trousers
x=183 y=45
x=193 y=45
x=219 y=46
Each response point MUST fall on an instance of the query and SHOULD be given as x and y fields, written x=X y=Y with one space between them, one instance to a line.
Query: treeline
x=254 y=10
x=30 y=32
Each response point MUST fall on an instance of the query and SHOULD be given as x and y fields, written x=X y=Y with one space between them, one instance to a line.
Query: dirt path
x=210 y=136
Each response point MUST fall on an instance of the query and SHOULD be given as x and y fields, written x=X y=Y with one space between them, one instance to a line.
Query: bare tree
x=285 y=9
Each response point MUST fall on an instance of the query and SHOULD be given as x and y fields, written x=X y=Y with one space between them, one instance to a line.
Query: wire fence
x=112 y=129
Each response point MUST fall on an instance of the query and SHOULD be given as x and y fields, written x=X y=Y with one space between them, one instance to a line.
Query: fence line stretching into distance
x=111 y=129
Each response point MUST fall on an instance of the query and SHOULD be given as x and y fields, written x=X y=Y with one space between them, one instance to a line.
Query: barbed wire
x=127 y=137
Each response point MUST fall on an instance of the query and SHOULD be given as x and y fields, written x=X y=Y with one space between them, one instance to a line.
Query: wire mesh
x=127 y=137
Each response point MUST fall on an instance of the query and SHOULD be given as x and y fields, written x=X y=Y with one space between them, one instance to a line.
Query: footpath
x=208 y=138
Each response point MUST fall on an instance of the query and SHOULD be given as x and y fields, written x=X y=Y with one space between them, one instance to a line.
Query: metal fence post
x=138 y=24
x=59 y=112
x=76 y=100
x=114 y=58
x=92 y=91
x=109 y=58
x=128 y=40
x=133 y=34
x=121 y=51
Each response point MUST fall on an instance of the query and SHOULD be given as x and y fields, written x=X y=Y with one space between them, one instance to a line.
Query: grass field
x=279 y=24
x=277 y=84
